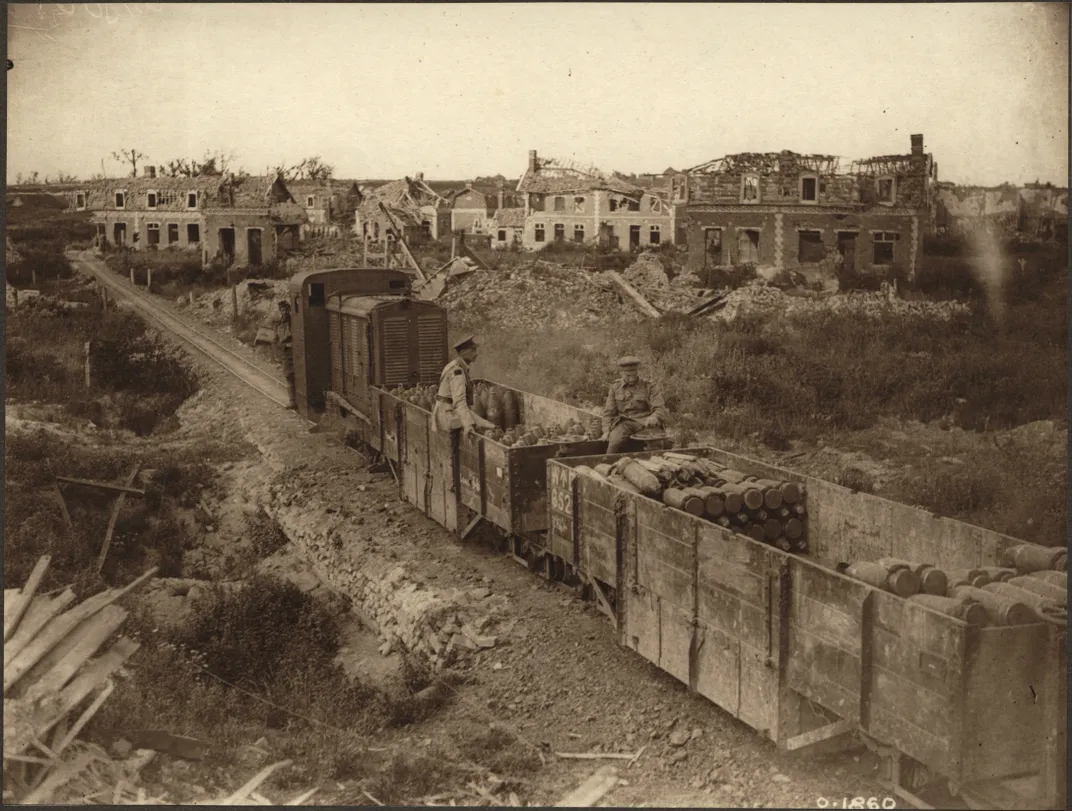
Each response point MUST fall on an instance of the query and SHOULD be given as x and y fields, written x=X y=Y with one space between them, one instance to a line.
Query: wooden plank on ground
x=118 y=488
x=62 y=625
x=41 y=611
x=645 y=305
x=63 y=661
x=63 y=506
x=592 y=790
x=114 y=516
x=26 y=595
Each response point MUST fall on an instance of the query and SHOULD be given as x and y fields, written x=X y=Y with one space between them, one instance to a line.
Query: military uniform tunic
x=454 y=397
x=627 y=404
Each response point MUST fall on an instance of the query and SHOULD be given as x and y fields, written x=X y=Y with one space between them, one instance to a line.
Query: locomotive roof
x=362 y=305
x=299 y=279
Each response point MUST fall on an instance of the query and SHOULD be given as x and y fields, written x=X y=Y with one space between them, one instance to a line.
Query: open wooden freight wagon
x=503 y=485
x=765 y=634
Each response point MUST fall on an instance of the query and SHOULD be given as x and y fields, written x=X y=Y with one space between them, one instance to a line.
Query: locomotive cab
x=383 y=341
x=309 y=293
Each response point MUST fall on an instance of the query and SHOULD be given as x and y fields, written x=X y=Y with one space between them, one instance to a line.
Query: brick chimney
x=917 y=145
x=532 y=160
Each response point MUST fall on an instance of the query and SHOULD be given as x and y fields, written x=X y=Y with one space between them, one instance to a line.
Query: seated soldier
x=632 y=405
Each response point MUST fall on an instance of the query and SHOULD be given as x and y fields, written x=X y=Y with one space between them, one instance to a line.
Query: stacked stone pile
x=440 y=625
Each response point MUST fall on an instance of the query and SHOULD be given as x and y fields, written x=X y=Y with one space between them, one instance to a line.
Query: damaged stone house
x=1034 y=211
x=326 y=203
x=244 y=220
x=787 y=210
x=421 y=212
x=507 y=227
x=566 y=202
x=472 y=209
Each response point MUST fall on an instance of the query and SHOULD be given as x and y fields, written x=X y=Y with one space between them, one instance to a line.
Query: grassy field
x=832 y=378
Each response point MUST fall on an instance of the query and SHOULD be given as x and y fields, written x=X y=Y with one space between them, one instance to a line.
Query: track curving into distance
x=248 y=372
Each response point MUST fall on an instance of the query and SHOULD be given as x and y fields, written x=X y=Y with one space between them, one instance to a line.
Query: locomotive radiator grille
x=354 y=371
x=431 y=339
x=396 y=351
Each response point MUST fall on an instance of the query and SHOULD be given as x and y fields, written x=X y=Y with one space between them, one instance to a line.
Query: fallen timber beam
x=402 y=243
x=118 y=488
x=634 y=294
x=114 y=517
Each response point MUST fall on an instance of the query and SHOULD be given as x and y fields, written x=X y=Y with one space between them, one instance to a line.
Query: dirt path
x=555 y=678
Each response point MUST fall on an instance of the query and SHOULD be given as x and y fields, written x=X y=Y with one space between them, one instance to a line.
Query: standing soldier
x=285 y=340
x=632 y=405
x=455 y=394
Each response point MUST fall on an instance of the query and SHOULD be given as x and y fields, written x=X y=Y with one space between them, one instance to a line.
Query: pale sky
x=463 y=90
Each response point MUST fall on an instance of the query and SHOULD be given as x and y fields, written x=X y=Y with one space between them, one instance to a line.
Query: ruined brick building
x=1034 y=211
x=326 y=202
x=473 y=208
x=786 y=210
x=565 y=202
x=418 y=210
x=242 y=220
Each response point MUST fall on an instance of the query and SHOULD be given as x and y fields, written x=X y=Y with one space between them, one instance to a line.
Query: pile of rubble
x=257 y=300
x=535 y=296
x=761 y=299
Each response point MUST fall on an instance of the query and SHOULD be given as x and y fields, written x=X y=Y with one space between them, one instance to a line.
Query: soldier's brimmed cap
x=629 y=362
x=468 y=342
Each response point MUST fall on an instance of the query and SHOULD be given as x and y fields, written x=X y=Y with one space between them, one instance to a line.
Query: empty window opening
x=712 y=247
x=502 y=235
x=809 y=189
x=119 y=233
x=560 y=204
x=172 y=233
x=578 y=233
x=152 y=233
x=748 y=246
x=655 y=234
x=193 y=233
x=883 y=247
x=560 y=232
x=655 y=204
x=887 y=192
x=578 y=205
x=633 y=205
x=150 y=199
x=536 y=202
x=375 y=230
x=750 y=189
x=613 y=204
x=810 y=248
x=191 y=199
x=120 y=199
x=309 y=201
x=634 y=236
x=540 y=234
x=80 y=201
x=316 y=294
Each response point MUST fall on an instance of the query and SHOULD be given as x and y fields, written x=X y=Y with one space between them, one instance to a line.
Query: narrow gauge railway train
x=784 y=642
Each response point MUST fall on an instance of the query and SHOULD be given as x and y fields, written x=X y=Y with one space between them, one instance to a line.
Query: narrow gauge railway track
x=245 y=370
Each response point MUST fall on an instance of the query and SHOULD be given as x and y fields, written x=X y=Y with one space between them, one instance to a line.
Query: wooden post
x=364 y=255
x=149 y=279
x=33 y=277
x=88 y=374
x=234 y=303
x=191 y=298
x=132 y=275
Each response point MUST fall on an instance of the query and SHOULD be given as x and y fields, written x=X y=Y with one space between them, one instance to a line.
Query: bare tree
x=63 y=177
x=131 y=156
x=313 y=168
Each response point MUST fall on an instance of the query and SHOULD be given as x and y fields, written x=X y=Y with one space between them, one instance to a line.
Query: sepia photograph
x=536 y=404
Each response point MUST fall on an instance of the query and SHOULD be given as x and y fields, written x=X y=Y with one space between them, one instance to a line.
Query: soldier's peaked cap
x=629 y=362
x=468 y=342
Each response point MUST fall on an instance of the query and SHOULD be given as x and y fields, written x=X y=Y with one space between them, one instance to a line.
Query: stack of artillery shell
x=769 y=511
x=990 y=595
x=1027 y=558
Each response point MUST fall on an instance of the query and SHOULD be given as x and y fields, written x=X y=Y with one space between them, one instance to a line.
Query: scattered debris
x=48 y=674
x=591 y=790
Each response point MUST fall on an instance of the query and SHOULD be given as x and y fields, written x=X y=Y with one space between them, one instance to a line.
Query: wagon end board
x=561 y=509
x=598 y=529
x=415 y=470
x=826 y=628
x=915 y=681
x=666 y=552
x=497 y=467
x=1010 y=695
x=390 y=419
x=470 y=467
